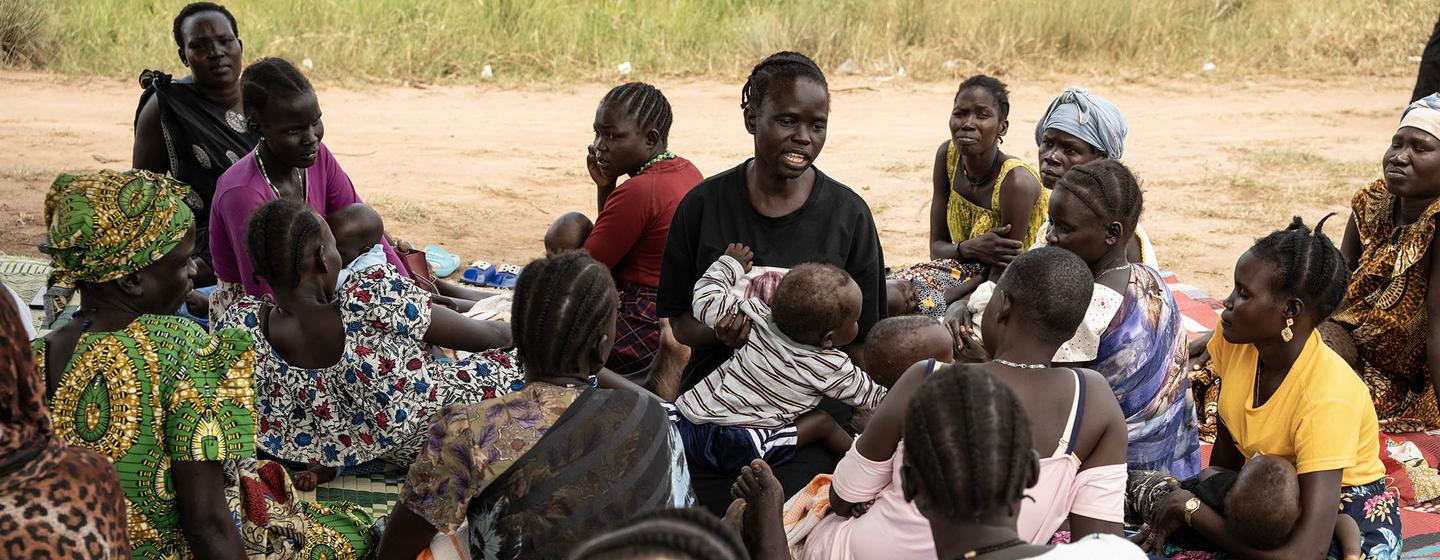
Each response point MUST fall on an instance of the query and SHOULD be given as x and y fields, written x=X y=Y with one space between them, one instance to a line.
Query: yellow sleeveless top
x=967 y=220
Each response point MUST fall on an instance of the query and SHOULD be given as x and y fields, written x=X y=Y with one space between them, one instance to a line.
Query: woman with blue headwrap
x=1080 y=127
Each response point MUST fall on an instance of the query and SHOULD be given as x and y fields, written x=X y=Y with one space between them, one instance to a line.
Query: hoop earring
x=1286 y=334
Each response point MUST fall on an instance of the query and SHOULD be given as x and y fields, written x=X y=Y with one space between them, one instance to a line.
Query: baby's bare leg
x=817 y=426
x=1347 y=533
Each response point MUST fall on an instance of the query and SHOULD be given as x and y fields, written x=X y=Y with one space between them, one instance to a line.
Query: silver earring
x=1286 y=334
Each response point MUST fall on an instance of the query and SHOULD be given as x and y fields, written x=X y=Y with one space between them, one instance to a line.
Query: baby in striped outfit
x=761 y=402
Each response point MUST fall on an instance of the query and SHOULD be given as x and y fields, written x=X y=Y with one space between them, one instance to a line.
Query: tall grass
x=551 y=40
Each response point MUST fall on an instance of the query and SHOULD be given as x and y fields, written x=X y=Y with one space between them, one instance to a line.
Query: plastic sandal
x=503 y=277
x=442 y=263
x=478 y=273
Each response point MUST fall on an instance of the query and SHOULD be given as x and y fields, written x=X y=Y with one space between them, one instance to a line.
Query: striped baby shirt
x=772 y=379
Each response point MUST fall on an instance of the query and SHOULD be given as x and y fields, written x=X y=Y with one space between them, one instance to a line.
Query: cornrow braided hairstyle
x=560 y=309
x=1307 y=266
x=1108 y=189
x=695 y=533
x=997 y=89
x=266 y=80
x=967 y=440
x=198 y=8
x=644 y=102
x=781 y=66
x=278 y=236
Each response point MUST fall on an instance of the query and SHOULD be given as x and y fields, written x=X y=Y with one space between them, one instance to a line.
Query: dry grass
x=559 y=40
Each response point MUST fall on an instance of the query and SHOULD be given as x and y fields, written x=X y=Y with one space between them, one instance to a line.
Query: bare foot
x=308 y=479
x=762 y=527
x=734 y=519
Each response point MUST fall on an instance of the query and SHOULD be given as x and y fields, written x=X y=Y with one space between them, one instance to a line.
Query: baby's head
x=819 y=305
x=1263 y=506
x=897 y=343
x=356 y=228
x=899 y=297
x=569 y=232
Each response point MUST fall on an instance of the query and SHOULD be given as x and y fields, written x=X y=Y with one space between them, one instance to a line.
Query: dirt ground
x=483 y=171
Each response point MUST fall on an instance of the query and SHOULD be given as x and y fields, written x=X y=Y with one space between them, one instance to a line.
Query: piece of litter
x=624 y=68
x=950 y=65
x=1414 y=59
x=486 y=72
x=901 y=72
x=1208 y=67
x=848 y=67
x=307 y=63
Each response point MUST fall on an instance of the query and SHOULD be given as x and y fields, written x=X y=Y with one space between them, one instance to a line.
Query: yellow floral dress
x=164 y=390
x=968 y=220
x=1385 y=311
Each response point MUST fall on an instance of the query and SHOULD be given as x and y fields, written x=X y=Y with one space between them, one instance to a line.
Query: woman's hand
x=1168 y=517
x=1199 y=350
x=991 y=248
x=967 y=348
x=596 y=174
x=733 y=329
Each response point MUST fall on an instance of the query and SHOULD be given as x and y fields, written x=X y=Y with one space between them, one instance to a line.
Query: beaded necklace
x=662 y=156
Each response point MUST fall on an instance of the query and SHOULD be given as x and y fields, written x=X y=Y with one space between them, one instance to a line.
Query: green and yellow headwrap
x=103 y=226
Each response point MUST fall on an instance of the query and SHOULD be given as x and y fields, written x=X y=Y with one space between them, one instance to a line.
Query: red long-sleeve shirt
x=629 y=235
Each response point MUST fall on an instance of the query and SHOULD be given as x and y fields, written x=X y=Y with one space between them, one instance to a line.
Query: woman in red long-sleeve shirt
x=632 y=127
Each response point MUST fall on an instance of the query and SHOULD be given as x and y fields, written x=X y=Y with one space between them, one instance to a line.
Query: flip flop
x=477 y=274
x=503 y=277
x=442 y=263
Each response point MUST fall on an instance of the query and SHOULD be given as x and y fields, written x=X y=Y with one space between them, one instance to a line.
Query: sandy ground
x=483 y=171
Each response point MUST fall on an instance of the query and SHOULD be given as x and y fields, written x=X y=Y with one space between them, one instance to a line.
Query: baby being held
x=358 y=230
x=760 y=404
x=1260 y=503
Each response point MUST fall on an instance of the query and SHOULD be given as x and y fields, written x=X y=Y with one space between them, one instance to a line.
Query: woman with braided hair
x=1078 y=427
x=678 y=534
x=343 y=376
x=1284 y=393
x=987 y=206
x=1132 y=333
x=967 y=469
x=537 y=471
x=788 y=212
x=290 y=162
x=632 y=133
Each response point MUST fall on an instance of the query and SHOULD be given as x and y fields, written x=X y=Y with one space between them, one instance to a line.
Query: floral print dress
x=375 y=402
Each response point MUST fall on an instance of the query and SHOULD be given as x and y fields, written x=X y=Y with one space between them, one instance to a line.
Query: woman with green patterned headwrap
x=170 y=405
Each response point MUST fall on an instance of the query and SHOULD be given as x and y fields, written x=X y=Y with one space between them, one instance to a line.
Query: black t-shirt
x=834 y=227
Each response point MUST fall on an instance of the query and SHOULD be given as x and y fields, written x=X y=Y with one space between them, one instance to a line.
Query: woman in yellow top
x=987 y=204
x=1286 y=394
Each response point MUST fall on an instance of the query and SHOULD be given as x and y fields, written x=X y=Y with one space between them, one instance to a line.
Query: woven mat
x=27 y=276
x=377 y=494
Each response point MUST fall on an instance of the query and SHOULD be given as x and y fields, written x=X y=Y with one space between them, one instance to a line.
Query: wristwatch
x=1192 y=505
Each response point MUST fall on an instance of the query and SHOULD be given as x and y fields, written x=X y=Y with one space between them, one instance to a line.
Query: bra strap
x=1077 y=412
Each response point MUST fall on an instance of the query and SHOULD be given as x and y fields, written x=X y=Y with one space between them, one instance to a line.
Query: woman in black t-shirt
x=788 y=212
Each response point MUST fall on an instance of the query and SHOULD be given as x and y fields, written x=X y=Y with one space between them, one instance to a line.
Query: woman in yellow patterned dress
x=1390 y=245
x=167 y=403
x=987 y=205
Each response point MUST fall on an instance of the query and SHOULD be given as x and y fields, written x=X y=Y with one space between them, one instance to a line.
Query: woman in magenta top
x=290 y=162
x=632 y=126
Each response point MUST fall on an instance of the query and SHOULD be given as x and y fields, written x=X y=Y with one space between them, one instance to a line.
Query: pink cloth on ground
x=242 y=189
x=1097 y=493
